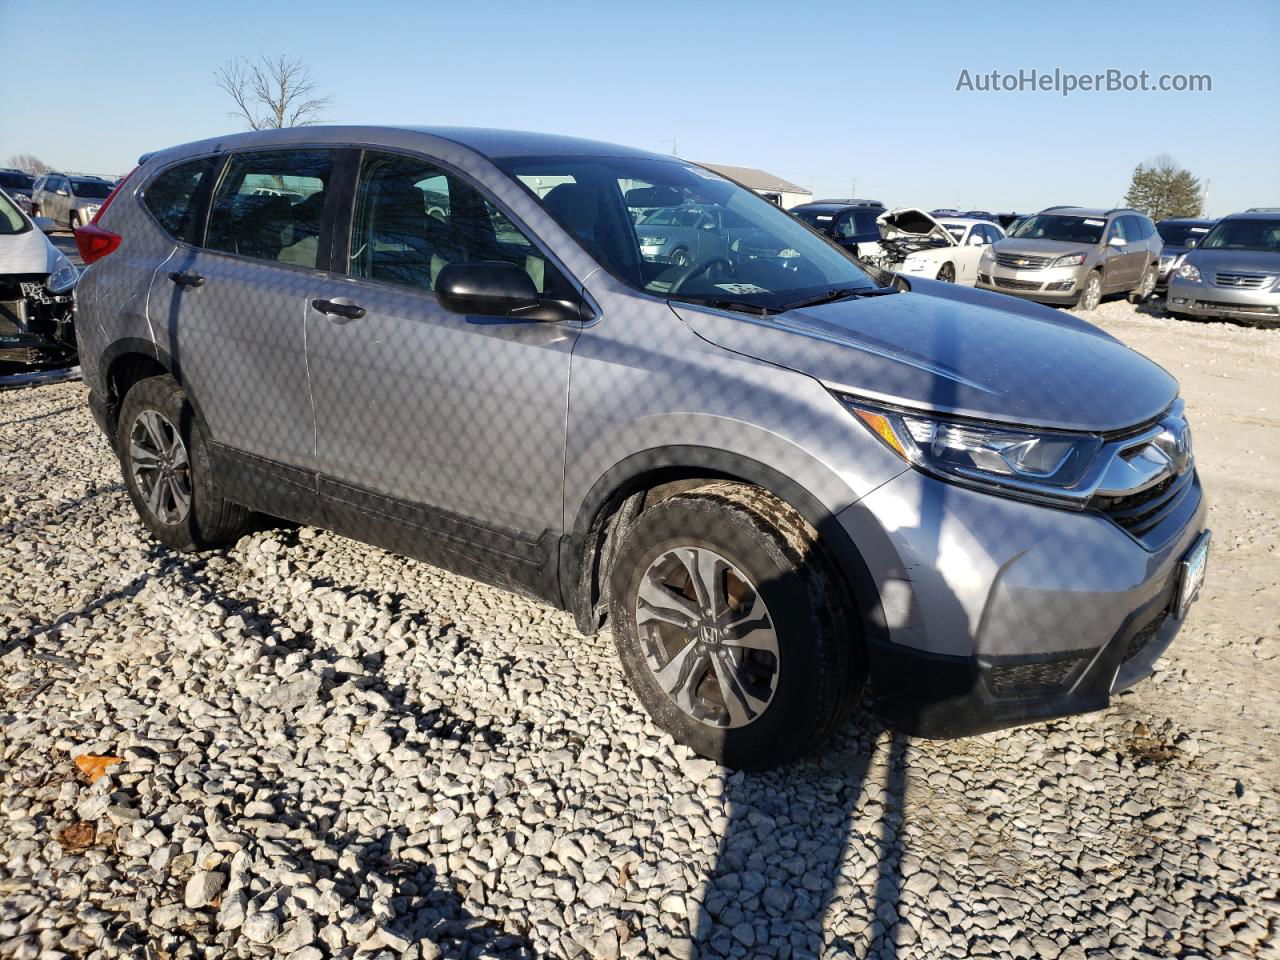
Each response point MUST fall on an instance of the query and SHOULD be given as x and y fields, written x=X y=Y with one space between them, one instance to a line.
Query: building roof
x=757 y=179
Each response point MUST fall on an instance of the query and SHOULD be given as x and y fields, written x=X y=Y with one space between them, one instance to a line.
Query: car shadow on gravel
x=796 y=847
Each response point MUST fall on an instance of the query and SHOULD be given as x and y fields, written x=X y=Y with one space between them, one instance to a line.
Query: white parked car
x=915 y=243
x=36 y=280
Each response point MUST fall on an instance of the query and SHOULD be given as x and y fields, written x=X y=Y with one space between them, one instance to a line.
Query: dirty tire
x=1145 y=287
x=211 y=520
x=75 y=220
x=1091 y=295
x=821 y=664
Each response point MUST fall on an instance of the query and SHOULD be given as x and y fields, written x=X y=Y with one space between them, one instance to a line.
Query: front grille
x=1242 y=281
x=1016 y=284
x=1259 y=309
x=1022 y=261
x=1144 y=636
x=1034 y=677
x=1141 y=512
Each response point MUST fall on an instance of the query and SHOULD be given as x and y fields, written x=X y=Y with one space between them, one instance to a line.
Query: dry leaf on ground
x=93 y=767
x=78 y=836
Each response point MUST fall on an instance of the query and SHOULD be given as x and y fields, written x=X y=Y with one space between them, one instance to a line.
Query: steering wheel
x=691 y=271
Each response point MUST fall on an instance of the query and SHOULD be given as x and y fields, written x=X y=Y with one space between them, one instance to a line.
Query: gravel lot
x=330 y=750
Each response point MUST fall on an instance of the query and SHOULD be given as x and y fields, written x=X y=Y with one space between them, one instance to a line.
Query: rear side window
x=172 y=196
x=269 y=205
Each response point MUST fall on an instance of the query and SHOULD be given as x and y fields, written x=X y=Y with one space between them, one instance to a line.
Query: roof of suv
x=1092 y=211
x=1256 y=213
x=487 y=142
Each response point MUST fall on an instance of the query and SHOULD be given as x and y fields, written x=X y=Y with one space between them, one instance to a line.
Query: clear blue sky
x=819 y=93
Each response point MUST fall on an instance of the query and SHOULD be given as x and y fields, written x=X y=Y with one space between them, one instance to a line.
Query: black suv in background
x=18 y=186
x=847 y=222
x=1179 y=236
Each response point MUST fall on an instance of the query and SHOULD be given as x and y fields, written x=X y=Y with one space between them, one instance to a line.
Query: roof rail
x=1060 y=206
x=1263 y=210
x=1125 y=210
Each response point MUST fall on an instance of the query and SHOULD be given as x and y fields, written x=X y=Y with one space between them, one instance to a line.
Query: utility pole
x=675 y=147
x=853 y=188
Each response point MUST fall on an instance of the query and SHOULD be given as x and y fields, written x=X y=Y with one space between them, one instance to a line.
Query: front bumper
x=1200 y=299
x=1000 y=612
x=1051 y=284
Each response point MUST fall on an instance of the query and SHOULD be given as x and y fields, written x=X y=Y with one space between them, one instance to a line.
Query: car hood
x=1040 y=247
x=1245 y=261
x=910 y=223
x=955 y=350
x=29 y=252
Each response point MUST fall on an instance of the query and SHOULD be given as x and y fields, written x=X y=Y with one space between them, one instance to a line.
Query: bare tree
x=271 y=91
x=28 y=163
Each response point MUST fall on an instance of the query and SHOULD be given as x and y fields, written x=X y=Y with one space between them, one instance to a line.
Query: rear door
x=439 y=431
x=231 y=311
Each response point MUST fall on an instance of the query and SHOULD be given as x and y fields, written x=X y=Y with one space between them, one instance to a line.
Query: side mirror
x=44 y=224
x=1116 y=242
x=976 y=240
x=63 y=193
x=495 y=288
x=1192 y=242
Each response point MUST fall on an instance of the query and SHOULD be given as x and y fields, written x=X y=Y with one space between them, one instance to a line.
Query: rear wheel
x=680 y=257
x=1145 y=286
x=165 y=461
x=948 y=273
x=732 y=626
x=75 y=220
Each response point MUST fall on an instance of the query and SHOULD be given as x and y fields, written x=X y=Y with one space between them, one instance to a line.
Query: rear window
x=16 y=181
x=1177 y=234
x=171 y=197
x=268 y=206
x=91 y=189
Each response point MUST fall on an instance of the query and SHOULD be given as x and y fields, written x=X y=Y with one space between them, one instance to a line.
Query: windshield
x=678 y=231
x=1049 y=226
x=1177 y=234
x=956 y=230
x=1244 y=234
x=16 y=181
x=11 y=221
x=90 y=189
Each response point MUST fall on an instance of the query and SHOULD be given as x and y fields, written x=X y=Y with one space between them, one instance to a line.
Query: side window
x=847 y=226
x=170 y=196
x=268 y=206
x=413 y=219
x=1117 y=230
x=1148 y=228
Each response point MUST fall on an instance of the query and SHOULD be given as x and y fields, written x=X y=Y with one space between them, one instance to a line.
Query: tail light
x=93 y=241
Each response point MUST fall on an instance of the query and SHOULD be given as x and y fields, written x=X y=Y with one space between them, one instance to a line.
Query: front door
x=440 y=435
x=231 y=315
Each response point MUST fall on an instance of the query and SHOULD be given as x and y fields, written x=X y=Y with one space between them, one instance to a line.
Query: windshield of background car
x=956 y=230
x=90 y=189
x=1244 y=234
x=1177 y=234
x=11 y=221
x=1046 y=226
x=704 y=237
x=16 y=181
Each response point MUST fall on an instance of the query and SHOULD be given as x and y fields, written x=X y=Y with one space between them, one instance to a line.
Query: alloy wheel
x=1092 y=292
x=708 y=637
x=161 y=467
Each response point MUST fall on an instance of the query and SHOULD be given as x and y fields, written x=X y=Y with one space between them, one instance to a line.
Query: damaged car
x=916 y=243
x=36 y=281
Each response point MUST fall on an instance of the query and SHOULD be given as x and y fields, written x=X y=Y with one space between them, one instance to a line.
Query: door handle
x=342 y=308
x=187 y=279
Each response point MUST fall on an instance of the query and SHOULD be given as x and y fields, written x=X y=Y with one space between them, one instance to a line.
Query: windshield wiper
x=728 y=303
x=831 y=296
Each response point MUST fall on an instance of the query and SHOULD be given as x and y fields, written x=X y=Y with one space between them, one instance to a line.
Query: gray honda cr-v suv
x=775 y=475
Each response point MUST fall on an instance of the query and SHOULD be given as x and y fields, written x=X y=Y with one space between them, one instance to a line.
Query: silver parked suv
x=1073 y=257
x=775 y=475
x=1234 y=272
x=68 y=201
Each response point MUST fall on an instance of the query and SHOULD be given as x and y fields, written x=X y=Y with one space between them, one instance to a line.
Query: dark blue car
x=848 y=224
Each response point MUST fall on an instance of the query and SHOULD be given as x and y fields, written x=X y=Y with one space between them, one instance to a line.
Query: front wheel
x=75 y=220
x=166 y=468
x=732 y=626
x=1091 y=295
x=1145 y=286
x=948 y=273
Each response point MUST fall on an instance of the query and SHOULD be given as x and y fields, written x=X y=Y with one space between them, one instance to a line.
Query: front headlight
x=1189 y=271
x=64 y=276
x=1070 y=260
x=1041 y=463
